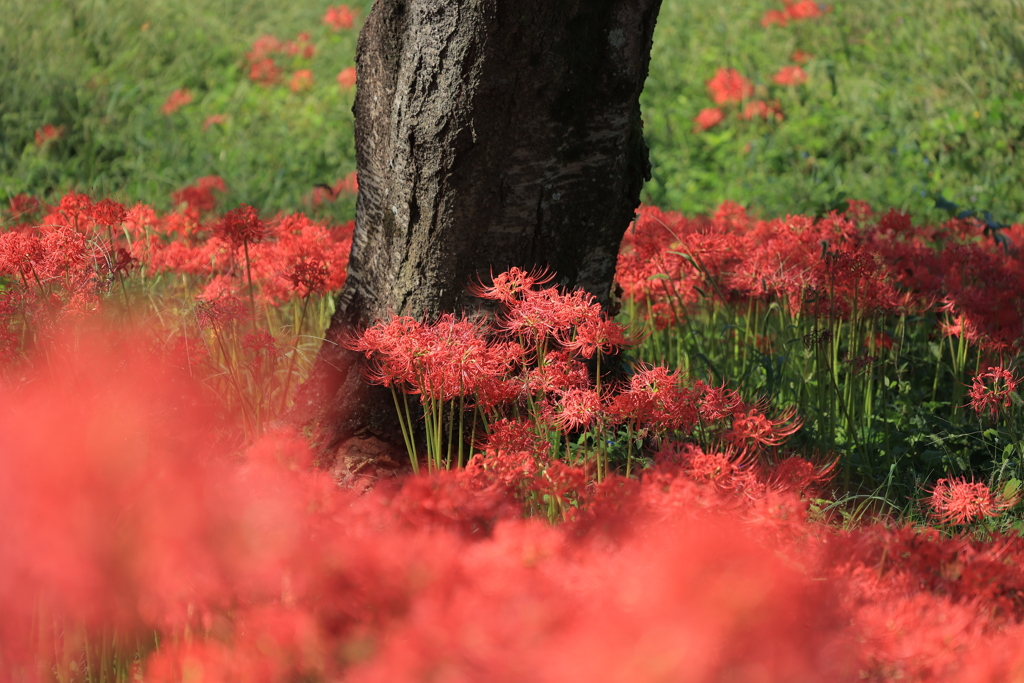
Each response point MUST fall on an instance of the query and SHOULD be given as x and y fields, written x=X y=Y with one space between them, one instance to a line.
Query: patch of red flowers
x=302 y=80
x=176 y=100
x=339 y=17
x=709 y=117
x=790 y=76
x=48 y=133
x=347 y=77
x=729 y=87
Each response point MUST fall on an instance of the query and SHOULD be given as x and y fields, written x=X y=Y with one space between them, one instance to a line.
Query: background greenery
x=903 y=99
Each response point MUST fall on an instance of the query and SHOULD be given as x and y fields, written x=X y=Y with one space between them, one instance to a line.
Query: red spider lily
x=709 y=117
x=545 y=313
x=801 y=57
x=716 y=403
x=219 y=311
x=108 y=213
x=347 y=78
x=594 y=334
x=264 y=71
x=763 y=110
x=241 y=226
x=339 y=17
x=657 y=399
x=303 y=46
x=560 y=372
x=48 y=133
x=790 y=76
x=800 y=475
x=199 y=196
x=729 y=87
x=261 y=346
x=263 y=47
x=301 y=241
x=751 y=427
x=576 y=409
x=510 y=286
x=804 y=9
x=301 y=80
x=959 y=501
x=22 y=206
x=214 y=120
x=774 y=16
x=513 y=436
x=561 y=480
x=993 y=391
x=439 y=361
x=176 y=100
x=309 y=277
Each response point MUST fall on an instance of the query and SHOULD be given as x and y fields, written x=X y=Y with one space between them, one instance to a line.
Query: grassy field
x=902 y=101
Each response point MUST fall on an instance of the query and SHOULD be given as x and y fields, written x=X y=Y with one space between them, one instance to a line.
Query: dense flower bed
x=565 y=516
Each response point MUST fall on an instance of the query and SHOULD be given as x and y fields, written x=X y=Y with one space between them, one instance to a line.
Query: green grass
x=103 y=70
x=903 y=100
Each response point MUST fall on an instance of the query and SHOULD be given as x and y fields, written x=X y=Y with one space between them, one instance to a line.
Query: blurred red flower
x=301 y=80
x=347 y=77
x=774 y=16
x=790 y=75
x=708 y=117
x=215 y=119
x=728 y=86
x=47 y=133
x=176 y=100
x=339 y=17
x=804 y=9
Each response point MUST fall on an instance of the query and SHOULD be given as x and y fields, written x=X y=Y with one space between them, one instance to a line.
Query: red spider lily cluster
x=347 y=78
x=140 y=542
x=146 y=539
x=83 y=259
x=830 y=268
x=795 y=10
x=340 y=17
x=176 y=100
x=790 y=75
x=48 y=133
x=728 y=87
x=530 y=360
x=266 y=57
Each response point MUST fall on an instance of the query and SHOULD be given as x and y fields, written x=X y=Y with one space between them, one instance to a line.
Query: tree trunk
x=489 y=134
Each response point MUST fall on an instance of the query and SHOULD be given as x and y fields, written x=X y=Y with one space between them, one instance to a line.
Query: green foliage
x=902 y=99
x=102 y=70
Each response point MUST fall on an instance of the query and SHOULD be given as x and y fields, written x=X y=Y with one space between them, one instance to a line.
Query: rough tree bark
x=489 y=134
